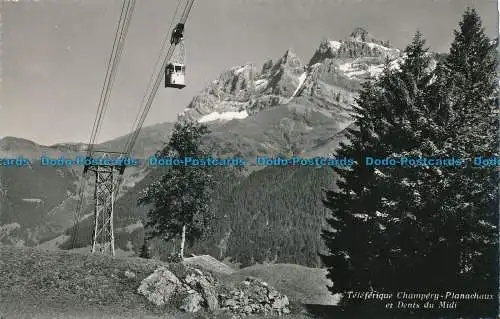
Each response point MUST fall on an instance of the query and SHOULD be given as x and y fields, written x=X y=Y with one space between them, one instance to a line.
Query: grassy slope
x=62 y=280
x=60 y=284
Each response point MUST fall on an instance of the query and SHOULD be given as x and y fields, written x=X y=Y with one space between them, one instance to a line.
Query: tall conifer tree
x=465 y=96
x=430 y=227
x=375 y=237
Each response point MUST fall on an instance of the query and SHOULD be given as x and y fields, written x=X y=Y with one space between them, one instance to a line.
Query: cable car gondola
x=175 y=70
x=174 y=75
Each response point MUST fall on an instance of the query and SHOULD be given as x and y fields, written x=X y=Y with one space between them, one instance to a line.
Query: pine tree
x=181 y=197
x=431 y=228
x=375 y=239
x=466 y=98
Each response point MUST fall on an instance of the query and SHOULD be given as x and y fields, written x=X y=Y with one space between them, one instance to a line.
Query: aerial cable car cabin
x=175 y=75
x=175 y=71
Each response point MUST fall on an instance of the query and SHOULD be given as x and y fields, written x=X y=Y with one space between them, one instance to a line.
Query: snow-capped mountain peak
x=333 y=76
x=361 y=35
x=243 y=90
x=360 y=43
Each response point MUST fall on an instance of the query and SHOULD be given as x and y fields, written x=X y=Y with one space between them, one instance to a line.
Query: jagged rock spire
x=362 y=35
x=290 y=59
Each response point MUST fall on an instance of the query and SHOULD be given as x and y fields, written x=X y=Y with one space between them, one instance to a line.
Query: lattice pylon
x=103 y=239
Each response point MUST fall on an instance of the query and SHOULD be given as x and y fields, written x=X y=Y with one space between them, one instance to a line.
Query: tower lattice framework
x=103 y=239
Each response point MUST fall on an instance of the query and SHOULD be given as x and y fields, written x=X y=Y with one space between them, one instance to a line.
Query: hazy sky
x=55 y=52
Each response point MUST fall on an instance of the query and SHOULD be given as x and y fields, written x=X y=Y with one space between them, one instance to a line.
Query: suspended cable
x=109 y=70
x=157 y=83
x=121 y=44
x=156 y=67
x=150 y=89
x=116 y=52
x=148 y=102
x=147 y=99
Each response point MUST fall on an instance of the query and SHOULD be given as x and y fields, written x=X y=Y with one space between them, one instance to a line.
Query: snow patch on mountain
x=335 y=45
x=302 y=78
x=32 y=200
x=241 y=69
x=364 y=69
x=349 y=70
x=225 y=116
x=261 y=83
x=354 y=70
x=380 y=47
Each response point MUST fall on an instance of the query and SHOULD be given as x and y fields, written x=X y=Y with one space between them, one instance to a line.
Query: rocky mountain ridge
x=334 y=73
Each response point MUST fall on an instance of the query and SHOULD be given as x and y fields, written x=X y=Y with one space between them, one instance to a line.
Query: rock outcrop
x=255 y=296
x=198 y=290
x=205 y=285
x=160 y=286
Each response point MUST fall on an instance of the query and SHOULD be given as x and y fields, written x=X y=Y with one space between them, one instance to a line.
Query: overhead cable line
x=114 y=59
x=151 y=93
x=121 y=44
x=156 y=67
x=148 y=98
x=116 y=53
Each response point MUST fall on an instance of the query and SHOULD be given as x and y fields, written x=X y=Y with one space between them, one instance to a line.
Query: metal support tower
x=103 y=238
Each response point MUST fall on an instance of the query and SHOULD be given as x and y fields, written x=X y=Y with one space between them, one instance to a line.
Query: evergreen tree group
x=430 y=228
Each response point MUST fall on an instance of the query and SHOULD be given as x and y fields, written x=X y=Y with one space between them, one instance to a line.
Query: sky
x=54 y=53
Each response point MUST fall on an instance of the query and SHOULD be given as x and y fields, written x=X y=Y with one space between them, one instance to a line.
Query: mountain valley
x=271 y=214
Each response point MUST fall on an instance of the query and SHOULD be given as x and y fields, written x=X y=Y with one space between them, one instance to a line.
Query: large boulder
x=192 y=303
x=197 y=287
x=199 y=290
x=160 y=286
x=205 y=285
